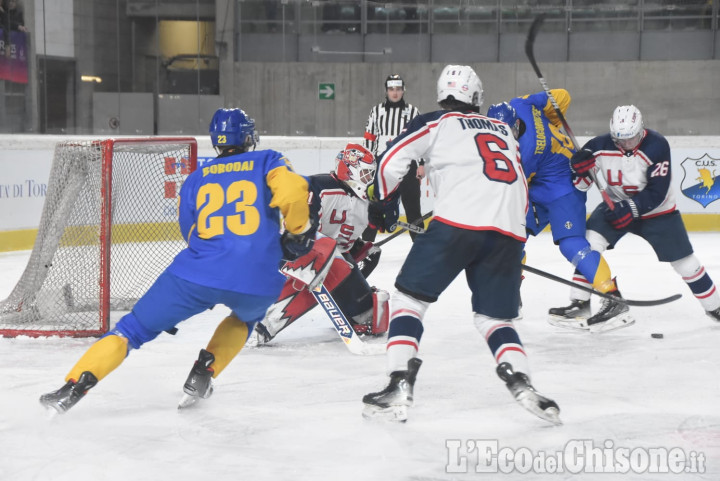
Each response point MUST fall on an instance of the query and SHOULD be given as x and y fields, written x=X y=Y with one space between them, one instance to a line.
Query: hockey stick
x=529 y=47
x=367 y=248
x=402 y=231
x=351 y=339
x=629 y=302
x=411 y=227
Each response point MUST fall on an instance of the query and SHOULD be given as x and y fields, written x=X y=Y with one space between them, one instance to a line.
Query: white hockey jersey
x=643 y=175
x=343 y=216
x=474 y=168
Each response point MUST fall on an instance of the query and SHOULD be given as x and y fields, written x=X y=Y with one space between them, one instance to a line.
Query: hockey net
x=108 y=229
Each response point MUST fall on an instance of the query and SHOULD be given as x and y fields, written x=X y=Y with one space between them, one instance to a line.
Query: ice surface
x=291 y=410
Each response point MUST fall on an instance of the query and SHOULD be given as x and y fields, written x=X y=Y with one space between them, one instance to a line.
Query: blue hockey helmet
x=232 y=127
x=505 y=112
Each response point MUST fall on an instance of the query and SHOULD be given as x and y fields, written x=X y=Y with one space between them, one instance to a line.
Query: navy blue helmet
x=232 y=127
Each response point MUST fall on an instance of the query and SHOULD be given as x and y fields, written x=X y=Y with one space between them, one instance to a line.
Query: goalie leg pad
x=295 y=301
x=381 y=312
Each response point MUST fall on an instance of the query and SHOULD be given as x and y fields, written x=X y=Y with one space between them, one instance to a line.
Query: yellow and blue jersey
x=229 y=214
x=545 y=151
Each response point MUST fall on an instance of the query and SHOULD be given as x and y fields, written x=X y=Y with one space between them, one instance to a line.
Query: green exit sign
x=326 y=91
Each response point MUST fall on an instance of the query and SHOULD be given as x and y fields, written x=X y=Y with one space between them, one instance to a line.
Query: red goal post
x=108 y=229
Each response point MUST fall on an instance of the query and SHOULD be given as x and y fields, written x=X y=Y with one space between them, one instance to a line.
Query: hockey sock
x=702 y=287
x=101 y=358
x=588 y=262
x=405 y=330
x=503 y=341
x=227 y=341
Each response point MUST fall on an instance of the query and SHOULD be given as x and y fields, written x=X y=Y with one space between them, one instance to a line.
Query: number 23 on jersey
x=210 y=200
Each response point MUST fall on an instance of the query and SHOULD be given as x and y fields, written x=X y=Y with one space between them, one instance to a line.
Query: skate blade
x=530 y=402
x=396 y=414
x=51 y=412
x=187 y=401
x=613 y=324
x=577 y=324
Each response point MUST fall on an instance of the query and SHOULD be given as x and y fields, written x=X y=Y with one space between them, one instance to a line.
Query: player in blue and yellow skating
x=229 y=214
x=545 y=152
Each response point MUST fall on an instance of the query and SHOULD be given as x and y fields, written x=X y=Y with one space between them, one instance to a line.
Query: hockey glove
x=582 y=162
x=383 y=215
x=297 y=245
x=622 y=215
x=369 y=263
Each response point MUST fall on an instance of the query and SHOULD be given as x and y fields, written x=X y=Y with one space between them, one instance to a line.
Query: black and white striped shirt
x=385 y=123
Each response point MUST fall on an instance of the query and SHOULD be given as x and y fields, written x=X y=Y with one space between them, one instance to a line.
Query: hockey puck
x=657 y=335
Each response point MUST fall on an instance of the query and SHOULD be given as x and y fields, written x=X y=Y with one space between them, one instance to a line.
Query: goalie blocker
x=365 y=307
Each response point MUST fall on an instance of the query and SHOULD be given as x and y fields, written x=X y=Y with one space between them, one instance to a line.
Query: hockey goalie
x=340 y=202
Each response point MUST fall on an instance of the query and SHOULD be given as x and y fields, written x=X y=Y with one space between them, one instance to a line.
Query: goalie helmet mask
x=507 y=114
x=355 y=165
x=461 y=83
x=232 y=128
x=626 y=127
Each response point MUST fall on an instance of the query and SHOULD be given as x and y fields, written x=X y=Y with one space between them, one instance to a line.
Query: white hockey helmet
x=626 y=127
x=461 y=83
x=355 y=165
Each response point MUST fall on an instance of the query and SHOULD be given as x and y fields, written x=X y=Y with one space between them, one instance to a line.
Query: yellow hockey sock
x=227 y=341
x=101 y=358
x=602 y=281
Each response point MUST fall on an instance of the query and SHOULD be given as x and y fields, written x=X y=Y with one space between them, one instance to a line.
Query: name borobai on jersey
x=342 y=215
x=463 y=170
x=216 y=192
x=643 y=174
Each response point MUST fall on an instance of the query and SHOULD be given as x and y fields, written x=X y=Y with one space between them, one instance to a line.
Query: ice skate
x=259 y=336
x=612 y=315
x=69 y=395
x=199 y=384
x=573 y=316
x=714 y=314
x=391 y=403
x=525 y=394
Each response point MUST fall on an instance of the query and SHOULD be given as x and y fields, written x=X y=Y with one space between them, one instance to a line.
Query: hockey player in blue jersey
x=545 y=153
x=471 y=160
x=636 y=165
x=229 y=215
x=339 y=200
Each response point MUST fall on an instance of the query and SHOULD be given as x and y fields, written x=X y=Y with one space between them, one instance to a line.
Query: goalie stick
x=629 y=302
x=341 y=324
x=309 y=272
x=529 y=51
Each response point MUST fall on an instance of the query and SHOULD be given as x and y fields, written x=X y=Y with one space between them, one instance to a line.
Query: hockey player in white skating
x=472 y=161
x=339 y=201
x=635 y=163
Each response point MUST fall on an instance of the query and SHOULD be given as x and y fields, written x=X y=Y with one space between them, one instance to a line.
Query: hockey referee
x=386 y=121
